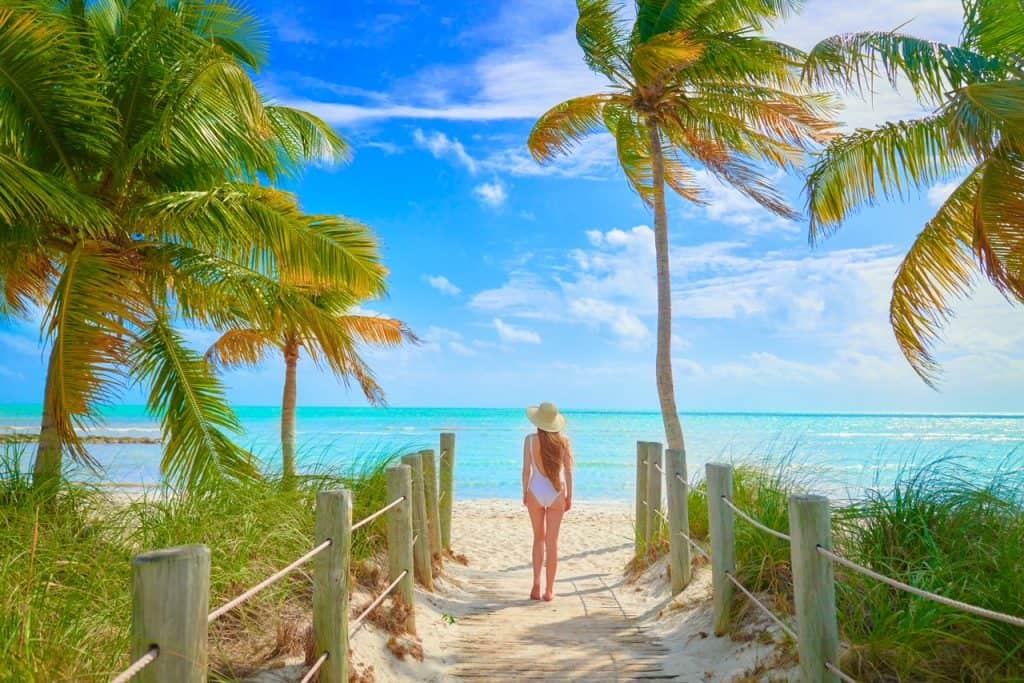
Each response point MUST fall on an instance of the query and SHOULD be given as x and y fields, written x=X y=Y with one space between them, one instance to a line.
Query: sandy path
x=586 y=633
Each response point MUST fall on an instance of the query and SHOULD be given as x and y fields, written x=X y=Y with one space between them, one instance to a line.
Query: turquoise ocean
x=837 y=454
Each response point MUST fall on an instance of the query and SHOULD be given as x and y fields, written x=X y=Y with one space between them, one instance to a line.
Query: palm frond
x=938 y=267
x=50 y=95
x=601 y=37
x=378 y=330
x=664 y=55
x=241 y=347
x=998 y=240
x=735 y=15
x=563 y=126
x=89 y=325
x=31 y=196
x=995 y=27
x=194 y=414
x=230 y=26
x=302 y=137
x=854 y=60
x=886 y=161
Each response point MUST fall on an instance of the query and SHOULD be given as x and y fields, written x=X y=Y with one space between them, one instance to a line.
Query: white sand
x=600 y=626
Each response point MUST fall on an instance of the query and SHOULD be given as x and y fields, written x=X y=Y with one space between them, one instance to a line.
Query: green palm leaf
x=196 y=420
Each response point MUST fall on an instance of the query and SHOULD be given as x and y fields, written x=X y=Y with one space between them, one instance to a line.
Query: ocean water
x=836 y=454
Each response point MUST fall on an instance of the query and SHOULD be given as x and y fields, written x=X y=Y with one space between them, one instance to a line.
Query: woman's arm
x=526 y=466
x=568 y=464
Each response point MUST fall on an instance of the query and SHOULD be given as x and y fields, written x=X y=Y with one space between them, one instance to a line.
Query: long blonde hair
x=554 y=450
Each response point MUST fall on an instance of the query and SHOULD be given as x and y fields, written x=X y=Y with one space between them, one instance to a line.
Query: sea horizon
x=842 y=454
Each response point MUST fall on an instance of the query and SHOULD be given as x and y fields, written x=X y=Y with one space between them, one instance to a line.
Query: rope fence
x=270 y=580
x=184 y=573
x=750 y=520
x=927 y=595
x=810 y=540
x=137 y=666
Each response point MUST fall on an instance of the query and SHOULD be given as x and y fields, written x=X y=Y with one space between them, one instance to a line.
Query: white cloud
x=620 y=319
x=726 y=204
x=938 y=194
x=438 y=339
x=442 y=284
x=515 y=335
x=492 y=194
x=442 y=146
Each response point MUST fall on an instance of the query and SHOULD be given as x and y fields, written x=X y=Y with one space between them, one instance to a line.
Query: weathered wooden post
x=678 y=518
x=640 y=521
x=447 y=494
x=814 y=590
x=330 y=583
x=723 y=543
x=655 y=522
x=421 y=535
x=400 y=539
x=170 y=601
x=430 y=495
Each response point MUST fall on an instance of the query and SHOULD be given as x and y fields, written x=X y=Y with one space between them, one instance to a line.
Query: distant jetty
x=32 y=438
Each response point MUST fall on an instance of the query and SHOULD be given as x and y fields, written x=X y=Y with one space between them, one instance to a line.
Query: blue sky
x=530 y=283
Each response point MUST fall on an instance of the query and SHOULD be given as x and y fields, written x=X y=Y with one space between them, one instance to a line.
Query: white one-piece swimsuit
x=541 y=487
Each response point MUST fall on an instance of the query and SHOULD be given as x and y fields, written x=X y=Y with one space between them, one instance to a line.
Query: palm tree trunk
x=663 y=360
x=46 y=471
x=291 y=361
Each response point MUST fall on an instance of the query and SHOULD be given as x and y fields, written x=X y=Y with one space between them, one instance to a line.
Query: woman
x=547 y=489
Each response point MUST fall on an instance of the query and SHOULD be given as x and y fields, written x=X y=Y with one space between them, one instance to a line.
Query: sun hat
x=546 y=417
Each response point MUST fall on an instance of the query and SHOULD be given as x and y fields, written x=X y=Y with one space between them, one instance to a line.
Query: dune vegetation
x=933 y=529
x=65 y=565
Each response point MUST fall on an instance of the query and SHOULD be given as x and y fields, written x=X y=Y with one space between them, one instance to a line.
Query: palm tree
x=332 y=340
x=974 y=134
x=132 y=147
x=691 y=84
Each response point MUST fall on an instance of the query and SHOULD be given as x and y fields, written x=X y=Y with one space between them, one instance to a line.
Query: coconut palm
x=331 y=339
x=132 y=145
x=691 y=86
x=974 y=134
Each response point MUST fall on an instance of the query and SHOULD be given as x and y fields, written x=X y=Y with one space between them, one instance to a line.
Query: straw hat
x=546 y=417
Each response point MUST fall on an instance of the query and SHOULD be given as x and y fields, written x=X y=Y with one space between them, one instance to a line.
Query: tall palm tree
x=974 y=134
x=132 y=145
x=332 y=340
x=691 y=84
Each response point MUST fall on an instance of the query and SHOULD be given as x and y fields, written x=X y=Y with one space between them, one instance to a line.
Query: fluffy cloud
x=442 y=146
x=511 y=334
x=442 y=284
x=491 y=194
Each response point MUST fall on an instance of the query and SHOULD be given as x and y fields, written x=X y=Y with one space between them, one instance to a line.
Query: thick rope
x=228 y=606
x=682 y=481
x=696 y=546
x=373 y=605
x=378 y=513
x=658 y=467
x=764 y=608
x=313 y=669
x=935 y=597
x=751 y=520
x=137 y=666
x=835 y=669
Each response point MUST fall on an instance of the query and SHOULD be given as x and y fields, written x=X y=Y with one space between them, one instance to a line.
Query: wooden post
x=170 y=601
x=655 y=523
x=400 y=539
x=430 y=495
x=447 y=494
x=330 y=583
x=814 y=589
x=723 y=544
x=678 y=518
x=421 y=545
x=640 y=520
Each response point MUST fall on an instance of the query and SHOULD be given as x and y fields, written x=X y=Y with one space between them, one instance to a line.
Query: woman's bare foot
x=535 y=593
x=549 y=596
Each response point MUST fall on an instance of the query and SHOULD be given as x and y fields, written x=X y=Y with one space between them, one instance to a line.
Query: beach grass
x=932 y=529
x=65 y=565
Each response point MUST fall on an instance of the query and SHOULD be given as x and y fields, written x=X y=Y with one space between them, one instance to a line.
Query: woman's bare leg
x=537 y=520
x=553 y=522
